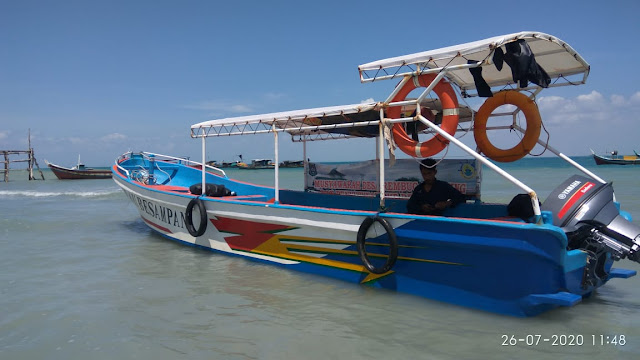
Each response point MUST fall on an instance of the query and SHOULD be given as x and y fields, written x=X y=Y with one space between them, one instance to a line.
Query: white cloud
x=593 y=97
x=365 y=101
x=587 y=108
x=593 y=121
x=4 y=135
x=114 y=137
x=617 y=100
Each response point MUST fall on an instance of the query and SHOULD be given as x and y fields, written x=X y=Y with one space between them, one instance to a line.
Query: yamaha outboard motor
x=586 y=211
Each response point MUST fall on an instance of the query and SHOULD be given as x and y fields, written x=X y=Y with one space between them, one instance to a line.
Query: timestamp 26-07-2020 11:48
x=564 y=340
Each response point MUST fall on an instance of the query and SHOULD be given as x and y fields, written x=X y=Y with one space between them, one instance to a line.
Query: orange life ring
x=531 y=135
x=449 y=124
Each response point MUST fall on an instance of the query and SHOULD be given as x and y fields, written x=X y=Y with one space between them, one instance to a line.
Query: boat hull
x=505 y=267
x=73 y=174
x=618 y=160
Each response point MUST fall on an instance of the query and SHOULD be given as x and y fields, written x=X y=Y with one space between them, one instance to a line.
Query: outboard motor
x=586 y=211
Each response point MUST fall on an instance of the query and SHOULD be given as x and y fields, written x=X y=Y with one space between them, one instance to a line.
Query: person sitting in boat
x=432 y=196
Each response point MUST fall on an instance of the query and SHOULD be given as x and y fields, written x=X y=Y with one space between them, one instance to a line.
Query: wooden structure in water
x=30 y=160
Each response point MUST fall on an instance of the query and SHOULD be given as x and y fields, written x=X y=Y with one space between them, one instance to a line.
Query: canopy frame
x=454 y=60
x=454 y=63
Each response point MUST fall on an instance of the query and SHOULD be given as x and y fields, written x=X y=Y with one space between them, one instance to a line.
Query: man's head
x=428 y=170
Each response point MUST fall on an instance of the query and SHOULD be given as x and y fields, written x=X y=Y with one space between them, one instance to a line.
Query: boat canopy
x=345 y=117
x=495 y=64
x=555 y=56
x=355 y=120
x=455 y=64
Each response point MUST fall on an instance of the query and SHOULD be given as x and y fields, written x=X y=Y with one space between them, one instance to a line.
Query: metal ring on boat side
x=531 y=135
x=393 y=244
x=189 y=218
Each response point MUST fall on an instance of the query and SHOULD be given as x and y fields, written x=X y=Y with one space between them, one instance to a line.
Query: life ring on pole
x=393 y=245
x=188 y=217
x=531 y=135
x=449 y=124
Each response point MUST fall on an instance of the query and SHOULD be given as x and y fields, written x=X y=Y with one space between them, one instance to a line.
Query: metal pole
x=381 y=158
x=277 y=165
x=30 y=158
x=203 y=168
x=305 y=164
x=566 y=158
x=431 y=86
x=397 y=89
x=506 y=175
x=6 y=167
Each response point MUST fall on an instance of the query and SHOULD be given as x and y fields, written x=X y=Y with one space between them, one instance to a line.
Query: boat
x=292 y=164
x=226 y=164
x=232 y=164
x=79 y=171
x=257 y=164
x=614 y=159
x=351 y=223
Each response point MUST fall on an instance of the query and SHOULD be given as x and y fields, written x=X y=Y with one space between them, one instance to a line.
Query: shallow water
x=84 y=277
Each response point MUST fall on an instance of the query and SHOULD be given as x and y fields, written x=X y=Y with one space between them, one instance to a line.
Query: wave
x=38 y=194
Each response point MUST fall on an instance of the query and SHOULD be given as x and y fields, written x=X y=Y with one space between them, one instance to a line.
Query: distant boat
x=227 y=164
x=615 y=159
x=292 y=164
x=78 y=172
x=223 y=164
x=257 y=164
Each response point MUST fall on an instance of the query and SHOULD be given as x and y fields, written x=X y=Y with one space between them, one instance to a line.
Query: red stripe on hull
x=157 y=226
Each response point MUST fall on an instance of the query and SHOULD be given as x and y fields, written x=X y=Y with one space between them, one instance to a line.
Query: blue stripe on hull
x=490 y=285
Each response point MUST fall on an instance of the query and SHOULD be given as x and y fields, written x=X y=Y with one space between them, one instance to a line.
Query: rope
x=388 y=137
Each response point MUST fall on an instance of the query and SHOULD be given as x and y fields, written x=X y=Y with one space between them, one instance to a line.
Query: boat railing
x=120 y=159
x=185 y=161
x=161 y=157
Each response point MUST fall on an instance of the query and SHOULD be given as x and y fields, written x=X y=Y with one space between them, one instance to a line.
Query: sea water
x=83 y=277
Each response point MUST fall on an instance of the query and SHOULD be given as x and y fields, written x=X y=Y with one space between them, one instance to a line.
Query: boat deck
x=311 y=200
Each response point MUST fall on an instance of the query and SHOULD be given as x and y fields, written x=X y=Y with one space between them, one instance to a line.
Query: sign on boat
x=351 y=221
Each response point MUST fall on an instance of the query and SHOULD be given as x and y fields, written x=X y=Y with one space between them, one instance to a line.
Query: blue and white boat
x=351 y=223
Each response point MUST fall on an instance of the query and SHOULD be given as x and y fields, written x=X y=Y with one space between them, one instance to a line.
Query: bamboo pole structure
x=31 y=161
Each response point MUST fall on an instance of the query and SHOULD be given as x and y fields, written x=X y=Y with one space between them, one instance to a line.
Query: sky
x=98 y=78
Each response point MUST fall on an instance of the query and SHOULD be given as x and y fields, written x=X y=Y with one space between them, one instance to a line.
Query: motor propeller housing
x=586 y=211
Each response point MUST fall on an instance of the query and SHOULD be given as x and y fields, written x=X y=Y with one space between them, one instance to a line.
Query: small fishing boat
x=257 y=164
x=223 y=165
x=292 y=164
x=615 y=159
x=232 y=164
x=351 y=222
x=79 y=171
x=226 y=164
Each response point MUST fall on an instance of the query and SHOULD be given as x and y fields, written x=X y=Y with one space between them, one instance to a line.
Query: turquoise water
x=83 y=277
